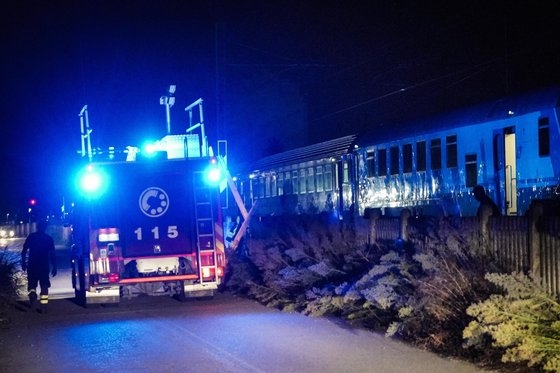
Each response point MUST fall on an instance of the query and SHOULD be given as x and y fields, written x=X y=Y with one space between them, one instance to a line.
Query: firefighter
x=41 y=253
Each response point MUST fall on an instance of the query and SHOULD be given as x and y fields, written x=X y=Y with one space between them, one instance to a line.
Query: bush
x=9 y=263
x=451 y=279
x=289 y=255
x=418 y=290
x=9 y=280
x=525 y=321
x=435 y=315
x=376 y=298
x=421 y=292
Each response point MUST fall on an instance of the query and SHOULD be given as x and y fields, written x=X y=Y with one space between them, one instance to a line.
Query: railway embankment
x=445 y=285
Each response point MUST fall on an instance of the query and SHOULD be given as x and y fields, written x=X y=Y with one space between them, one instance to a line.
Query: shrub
x=419 y=290
x=525 y=320
x=429 y=285
x=435 y=314
x=9 y=262
x=9 y=280
x=377 y=296
x=292 y=254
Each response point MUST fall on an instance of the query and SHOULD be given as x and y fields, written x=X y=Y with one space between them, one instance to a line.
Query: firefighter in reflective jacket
x=41 y=253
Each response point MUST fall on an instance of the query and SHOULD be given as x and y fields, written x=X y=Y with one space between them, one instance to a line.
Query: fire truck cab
x=149 y=225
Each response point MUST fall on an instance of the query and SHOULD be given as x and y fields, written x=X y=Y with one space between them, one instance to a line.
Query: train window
x=267 y=186
x=262 y=185
x=370 y=163
x=302 y=181
x=273 y=185
x=394 y=160
x=407 y=158
x=288 y=182
x=421 y=156
x=319 y=178
x=310 y=180
x=345 y=173
x=280 y=183
x=471 y=168
x=255 y=187
x=544 y=137
x=328 y=177
x=295 y=183
x=451 y=147
x=382 y=154
x=435 y=154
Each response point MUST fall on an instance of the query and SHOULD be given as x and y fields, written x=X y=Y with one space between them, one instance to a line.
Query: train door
x=344 y=184
x=511 y=171
x=505 y=166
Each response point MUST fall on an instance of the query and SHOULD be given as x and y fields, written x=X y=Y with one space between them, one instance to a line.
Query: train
x=510 y=146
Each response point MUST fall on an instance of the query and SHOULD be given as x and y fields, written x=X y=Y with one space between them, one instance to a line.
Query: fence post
x=484 y=220
x=536 y=210
x=405 y=215
x=373 y=223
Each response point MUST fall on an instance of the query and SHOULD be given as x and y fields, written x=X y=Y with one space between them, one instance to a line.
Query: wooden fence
x=528 y=244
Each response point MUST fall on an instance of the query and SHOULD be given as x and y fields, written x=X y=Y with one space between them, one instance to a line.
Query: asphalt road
x=225 y=334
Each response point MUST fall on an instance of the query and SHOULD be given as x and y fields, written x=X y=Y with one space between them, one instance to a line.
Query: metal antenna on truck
x=85 y=132
x=200 y=124
x=168 y=101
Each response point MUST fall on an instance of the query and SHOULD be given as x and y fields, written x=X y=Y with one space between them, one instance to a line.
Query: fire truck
x=150 y=223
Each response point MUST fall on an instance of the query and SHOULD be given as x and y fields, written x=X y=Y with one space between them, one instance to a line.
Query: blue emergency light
x=213 y=172
x=213 y=175
x=92 y=181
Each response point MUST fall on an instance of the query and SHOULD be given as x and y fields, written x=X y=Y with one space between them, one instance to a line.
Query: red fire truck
x=149 y=224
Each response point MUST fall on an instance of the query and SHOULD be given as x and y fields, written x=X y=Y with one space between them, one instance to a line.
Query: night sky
x=273 y=74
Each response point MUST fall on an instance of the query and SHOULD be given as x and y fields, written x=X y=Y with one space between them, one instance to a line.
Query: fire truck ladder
x=204 y=215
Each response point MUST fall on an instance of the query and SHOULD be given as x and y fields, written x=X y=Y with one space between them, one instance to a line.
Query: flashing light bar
x=92 y=181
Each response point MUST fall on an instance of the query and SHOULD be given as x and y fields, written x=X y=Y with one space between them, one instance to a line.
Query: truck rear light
x=108 y=278
x=108 y=235
x=205 y=272
x=114 y=277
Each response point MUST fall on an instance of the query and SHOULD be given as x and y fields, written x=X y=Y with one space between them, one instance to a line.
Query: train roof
x=497 y=109
x=327 y=149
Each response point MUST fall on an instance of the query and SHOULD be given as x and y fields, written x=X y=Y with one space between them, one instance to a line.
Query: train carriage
x=312 y=179
x=510 y=146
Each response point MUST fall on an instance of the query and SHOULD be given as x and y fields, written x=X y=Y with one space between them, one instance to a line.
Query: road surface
x=225 y=334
